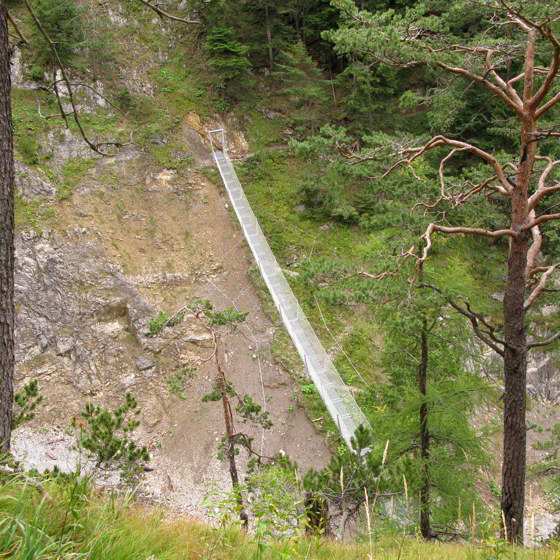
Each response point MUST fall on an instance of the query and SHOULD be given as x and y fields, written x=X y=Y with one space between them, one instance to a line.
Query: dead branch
x=476 y=319
x=409 y=155
x=540 y=286
x=92 y=145
x=540 y=220
x=545 y=472
x=163 y=14
x=206 y=327
x=506 y=86
x=546 y=342
x=17 y=29
x=535 y=246
x=460 y=229
x=542 y=190
x=496 y=90
x=53 y=116
x=81 y=84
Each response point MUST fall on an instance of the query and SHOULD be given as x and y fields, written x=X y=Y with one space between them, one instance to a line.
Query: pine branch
x=17 y=29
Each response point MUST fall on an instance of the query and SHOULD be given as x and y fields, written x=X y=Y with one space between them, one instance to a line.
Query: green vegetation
x=66 y=517
x=63 y=24
x=324 y=114
x=107 y=438
x=161 y=321
x=157 y=324
x=73 y=171
x=36 y=213
x=172 y=156
x=28 y=124
x=227 y=316
x=26 y=402
x=178 y=381
x=228 y=55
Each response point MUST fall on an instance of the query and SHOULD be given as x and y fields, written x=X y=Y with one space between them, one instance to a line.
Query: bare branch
x=518 y=108
x=408 y=155
x=552 y=72
x=163 y=14
x=540 y=286
x=542 y=190
x=540 y=220
x=53 y=116
x=92 y=145
x=544 y=342
x=487 y=336
x=545 y=472
x=100 y=95
x=506 y=86
x=544 y=30
x=535 y=246
x=17 y=29
x=460 y=229
x=547 y=106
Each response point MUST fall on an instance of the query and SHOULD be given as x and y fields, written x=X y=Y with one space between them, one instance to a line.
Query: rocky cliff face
x=94 y=265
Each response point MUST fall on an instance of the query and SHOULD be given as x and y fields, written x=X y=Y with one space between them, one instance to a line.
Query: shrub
x=62 y=22
x=107 y=437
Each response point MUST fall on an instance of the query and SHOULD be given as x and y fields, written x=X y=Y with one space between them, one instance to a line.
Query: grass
x=35 y=214
x=66 y=518
x=178 y=381
x=73 y=171
x=28 y=124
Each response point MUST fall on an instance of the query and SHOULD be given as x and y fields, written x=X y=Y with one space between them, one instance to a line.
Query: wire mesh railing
x=335 y=394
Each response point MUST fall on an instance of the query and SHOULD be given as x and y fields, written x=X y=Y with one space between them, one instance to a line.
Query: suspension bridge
x=335 y=393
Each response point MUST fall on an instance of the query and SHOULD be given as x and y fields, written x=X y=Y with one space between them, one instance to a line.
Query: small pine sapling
x=246 y=408
x=107 y=438
x=25 y=403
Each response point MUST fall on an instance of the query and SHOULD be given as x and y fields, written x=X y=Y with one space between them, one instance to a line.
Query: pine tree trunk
x=268 y=37
x=515 y=355
x=231 y=447
x=425 y=528
x=6 y=238
x=515 y=374
x=515 y=351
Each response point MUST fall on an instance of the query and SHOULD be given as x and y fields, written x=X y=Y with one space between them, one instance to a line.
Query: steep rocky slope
x=135 y=238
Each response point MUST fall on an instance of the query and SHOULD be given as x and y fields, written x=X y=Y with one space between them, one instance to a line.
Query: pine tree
x=512 y=52
x=6 y=238
x=228 y=55
x=426 y=409
x=303 y=85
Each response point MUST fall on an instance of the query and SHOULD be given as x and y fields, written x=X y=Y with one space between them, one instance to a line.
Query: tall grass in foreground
x=66 y=519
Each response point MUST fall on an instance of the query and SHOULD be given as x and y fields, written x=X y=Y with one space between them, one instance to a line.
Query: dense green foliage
x=227 y=54
x=71 y=520
x=107 y=437
x=63 y=24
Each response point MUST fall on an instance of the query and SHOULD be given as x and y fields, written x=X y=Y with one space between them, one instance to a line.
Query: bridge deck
x=335 y=394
